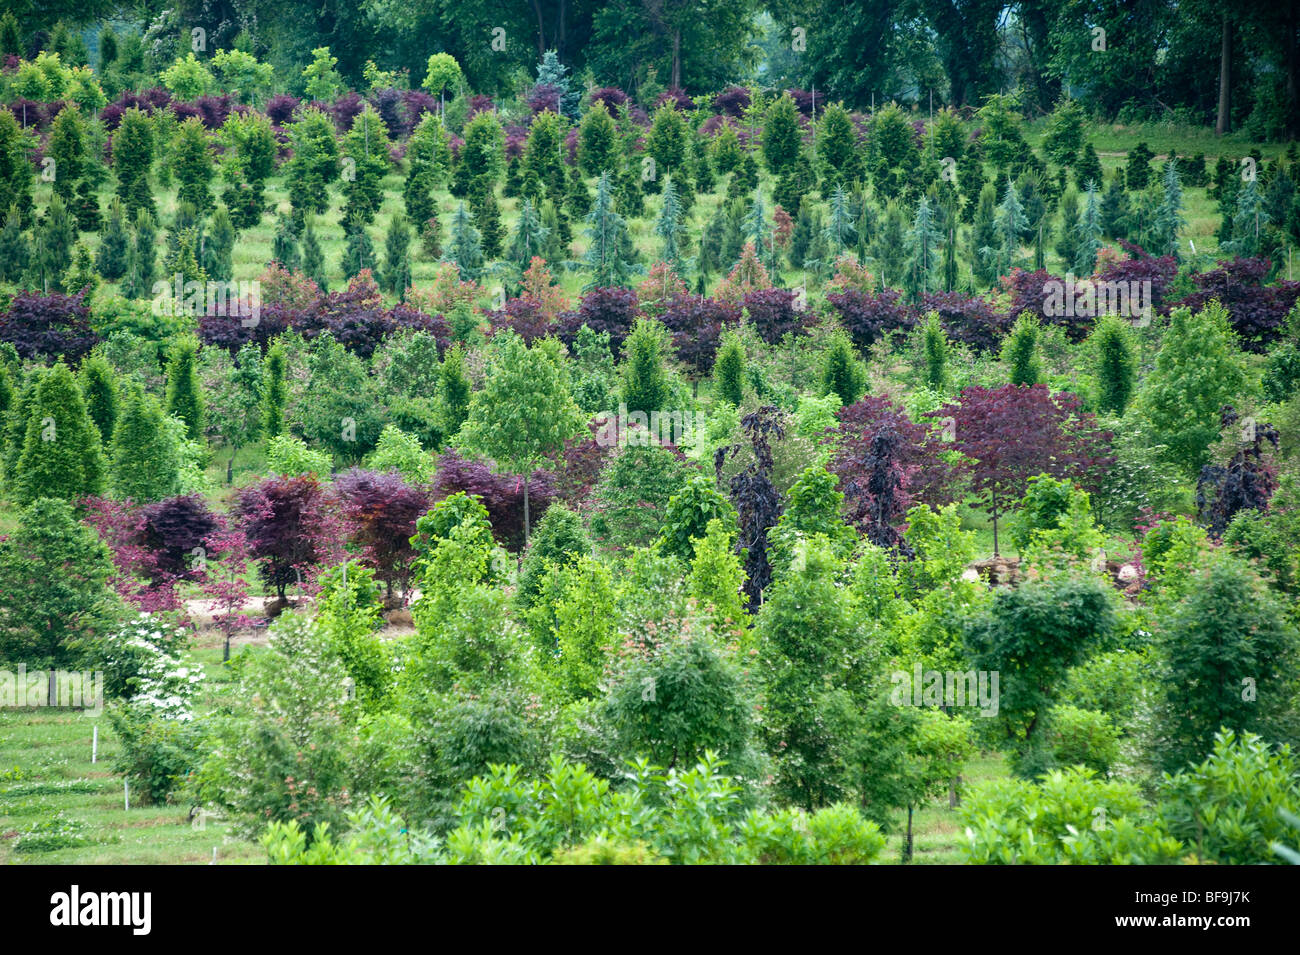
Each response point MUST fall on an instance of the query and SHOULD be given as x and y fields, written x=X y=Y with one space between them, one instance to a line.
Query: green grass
x=936 y=830
x=51 y=793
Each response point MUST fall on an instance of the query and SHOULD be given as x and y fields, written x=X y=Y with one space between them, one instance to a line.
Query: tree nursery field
x=649 y=433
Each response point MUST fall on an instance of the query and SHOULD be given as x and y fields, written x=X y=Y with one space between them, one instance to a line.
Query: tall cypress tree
x=313 y=259
x=15 y=167
x=114 y=244
x=99 y=388
x=1020 y=352
x=219 y=247
x=14 y=258
x=191 y=160
x=669 y=226
x=487 y=215
x=1088 y=234
x=397 y=256
x=1116 y=367
x=184 y=393
x=645 y=384
x=358 y=253
x=146 y=461
x=133 y=154
x=61 y=455
x=935 y=349
x=729 y=370
x=273 y=389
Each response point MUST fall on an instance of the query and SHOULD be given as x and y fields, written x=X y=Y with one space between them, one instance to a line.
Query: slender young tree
x=1116 y=365
x=184 y=393
x=609 y=253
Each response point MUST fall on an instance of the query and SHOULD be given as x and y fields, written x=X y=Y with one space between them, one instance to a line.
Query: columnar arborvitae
x=61 y=455
x=15 y=166
x=313 y=259
x=68 y=150
x=14 y=248
x=781 y=135
x=284 y=244
x=842 y=373
x=145 y=458
x=729 y=370
x=597 y=142
x=428 y=158
x=219 y=247
x=1020 y=352
x=487 y=215
x=114 y=244
x=1116 y=365
x=366 y=146
x=314 y=164
x=935 y=349
x=191 y=159
x=133 y=154
x=645 y=383
x=397 y=257
x=98 y=384
x=184 y=393
x=142 y=262
x=273 y=390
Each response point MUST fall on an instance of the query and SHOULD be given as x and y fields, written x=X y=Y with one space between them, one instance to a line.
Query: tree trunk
x=995 y=529
x=541 y=30
x=1225 y=77
x=1292 y=83
x=560 y=31
x=907 y=846
x=677 y=57
x=230 y=467
x=953 y=799
x=526 y=527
